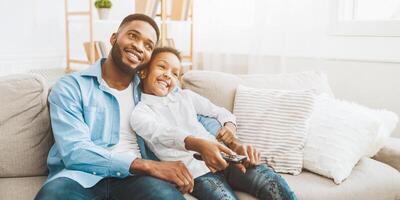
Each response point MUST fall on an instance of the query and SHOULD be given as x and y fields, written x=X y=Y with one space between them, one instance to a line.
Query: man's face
x=162 y=74
x=132 y=45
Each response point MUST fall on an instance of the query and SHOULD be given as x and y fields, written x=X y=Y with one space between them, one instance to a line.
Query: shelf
x=78 y=13
x=79 y=61
x=173 y=21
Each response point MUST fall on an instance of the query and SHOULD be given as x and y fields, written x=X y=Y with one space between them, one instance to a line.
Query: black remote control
x=234 y=159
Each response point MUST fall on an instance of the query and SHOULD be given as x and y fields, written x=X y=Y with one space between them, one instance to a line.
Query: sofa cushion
x=390 y=153
x=220 y=87
x=25 y=126
x=24 y=188
x=370 y=179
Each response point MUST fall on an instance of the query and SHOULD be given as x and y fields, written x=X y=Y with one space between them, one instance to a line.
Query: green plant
x=103 y=4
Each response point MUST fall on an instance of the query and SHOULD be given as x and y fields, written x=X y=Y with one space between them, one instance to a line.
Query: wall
x=32 y=32
x=31 y=35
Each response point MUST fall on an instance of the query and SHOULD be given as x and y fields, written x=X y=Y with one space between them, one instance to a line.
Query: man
x=95 y=155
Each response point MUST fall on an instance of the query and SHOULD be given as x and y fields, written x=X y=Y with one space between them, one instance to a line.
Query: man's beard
x=116 y=55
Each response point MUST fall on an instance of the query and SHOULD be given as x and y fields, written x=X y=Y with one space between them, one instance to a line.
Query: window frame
x=373 y=28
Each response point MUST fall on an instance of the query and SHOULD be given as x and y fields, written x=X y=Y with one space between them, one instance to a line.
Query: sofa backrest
x=25 y=133
x=220 y=87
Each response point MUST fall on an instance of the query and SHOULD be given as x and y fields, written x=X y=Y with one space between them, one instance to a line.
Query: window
x=365 y=17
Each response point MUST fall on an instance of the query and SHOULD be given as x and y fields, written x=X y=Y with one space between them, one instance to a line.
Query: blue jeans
x=134 y=187
x=260 y=181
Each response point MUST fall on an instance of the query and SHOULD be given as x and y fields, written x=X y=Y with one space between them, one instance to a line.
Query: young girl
x=166 y=118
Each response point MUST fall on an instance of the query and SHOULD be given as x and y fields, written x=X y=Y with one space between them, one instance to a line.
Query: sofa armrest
x=390 y=153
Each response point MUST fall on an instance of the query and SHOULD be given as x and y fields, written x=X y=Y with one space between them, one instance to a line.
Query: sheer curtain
x=256 y=36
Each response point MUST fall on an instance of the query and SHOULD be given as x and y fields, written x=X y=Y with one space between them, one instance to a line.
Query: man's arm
x=211 y=124
x=212 y=116
x=72 y=135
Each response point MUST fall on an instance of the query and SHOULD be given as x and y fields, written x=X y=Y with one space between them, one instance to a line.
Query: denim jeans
x=134 y=187
x=260 y=181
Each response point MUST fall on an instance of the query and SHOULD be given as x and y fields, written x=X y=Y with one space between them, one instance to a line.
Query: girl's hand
x=210 y=152
x=253 y=156
x=226 y=134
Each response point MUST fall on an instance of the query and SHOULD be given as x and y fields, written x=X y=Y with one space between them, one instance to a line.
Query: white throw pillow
x=275 y=123
x=340 y=133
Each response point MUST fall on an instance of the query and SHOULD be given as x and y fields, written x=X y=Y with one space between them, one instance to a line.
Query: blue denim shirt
x=85 y=120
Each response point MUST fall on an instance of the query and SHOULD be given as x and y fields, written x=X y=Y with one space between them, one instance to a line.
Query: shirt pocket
x=94 y=118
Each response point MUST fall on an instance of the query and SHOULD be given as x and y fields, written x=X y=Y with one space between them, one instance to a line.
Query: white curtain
x=257 y=36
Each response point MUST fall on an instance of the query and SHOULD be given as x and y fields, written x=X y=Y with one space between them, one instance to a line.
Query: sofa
x=26 y=137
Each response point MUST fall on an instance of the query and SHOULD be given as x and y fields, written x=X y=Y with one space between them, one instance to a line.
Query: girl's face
x=161 y=77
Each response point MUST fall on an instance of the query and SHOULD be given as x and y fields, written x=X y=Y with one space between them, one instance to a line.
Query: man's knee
x=60 y=188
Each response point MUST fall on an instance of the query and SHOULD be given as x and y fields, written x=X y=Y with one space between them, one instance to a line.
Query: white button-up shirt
x=165 y=122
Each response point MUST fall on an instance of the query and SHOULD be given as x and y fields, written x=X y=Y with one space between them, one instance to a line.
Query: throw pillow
x=340 y=133
x=275 y=123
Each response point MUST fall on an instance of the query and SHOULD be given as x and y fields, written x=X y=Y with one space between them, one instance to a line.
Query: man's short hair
x=141 y=17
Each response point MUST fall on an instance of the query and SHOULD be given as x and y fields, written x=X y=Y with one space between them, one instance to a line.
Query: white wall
x=32 y=32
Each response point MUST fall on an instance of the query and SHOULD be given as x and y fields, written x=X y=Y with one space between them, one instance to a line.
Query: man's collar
x=95 y=71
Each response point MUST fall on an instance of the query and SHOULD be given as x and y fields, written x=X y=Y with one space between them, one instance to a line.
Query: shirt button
x=94 y=173
x=118 y=174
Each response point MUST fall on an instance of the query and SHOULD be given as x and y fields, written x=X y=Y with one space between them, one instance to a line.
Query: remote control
x=234 y=159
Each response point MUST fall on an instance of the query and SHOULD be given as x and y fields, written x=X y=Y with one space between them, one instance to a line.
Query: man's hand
x=246 y=150
x=226 y=134
x=210 y=152
x=172 y=171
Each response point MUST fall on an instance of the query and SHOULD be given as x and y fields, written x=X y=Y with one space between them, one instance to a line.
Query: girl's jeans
x=260 y=181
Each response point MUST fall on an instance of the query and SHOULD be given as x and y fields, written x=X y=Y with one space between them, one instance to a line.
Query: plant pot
x=103 y=13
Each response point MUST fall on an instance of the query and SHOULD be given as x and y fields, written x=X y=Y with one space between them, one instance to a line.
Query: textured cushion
x=340 y=134
x=24 y=188
x=25 y=126
x=370 y=179
x=220 y=87
x=275 y=123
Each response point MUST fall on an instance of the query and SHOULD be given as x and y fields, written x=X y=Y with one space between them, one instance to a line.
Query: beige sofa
x=26 y=137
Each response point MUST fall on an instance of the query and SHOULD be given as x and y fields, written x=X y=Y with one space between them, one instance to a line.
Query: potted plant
x=103 y=8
